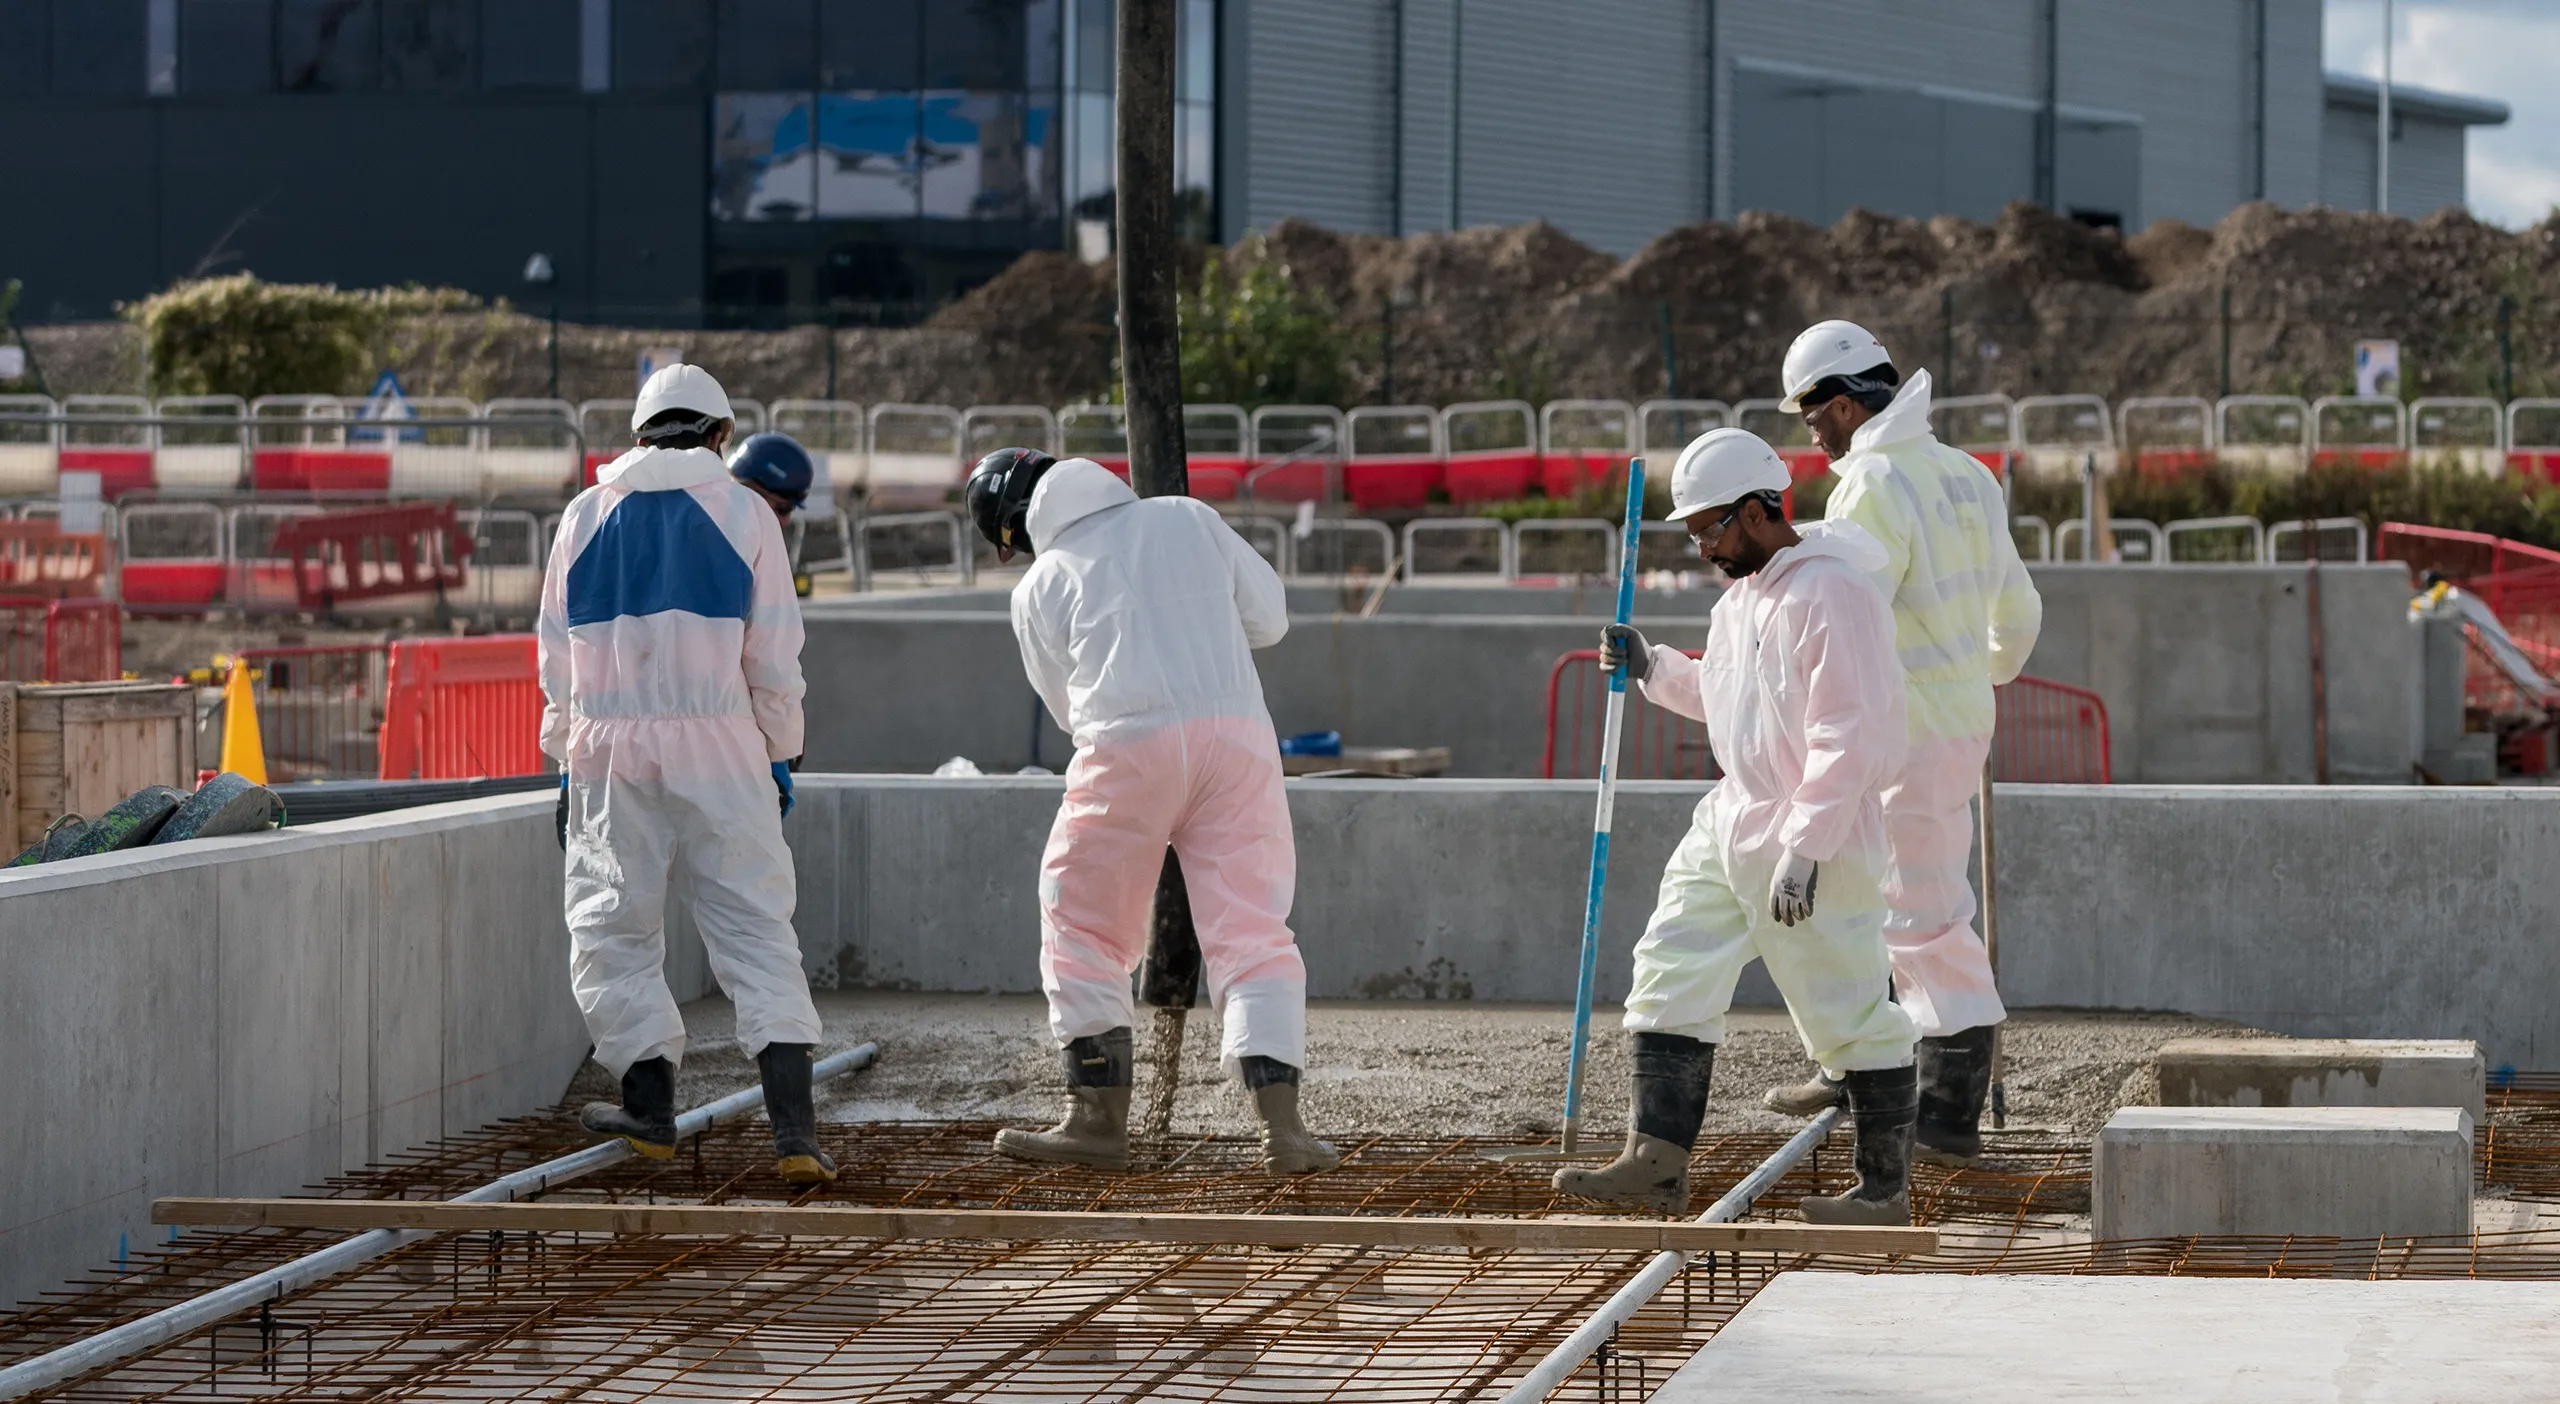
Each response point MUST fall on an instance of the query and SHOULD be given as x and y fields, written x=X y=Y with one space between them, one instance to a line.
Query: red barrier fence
x=60 y=640
x=39 y=558
x=2459 y=556
x=463 y=708
x=337 y=557
x=320 y=709
x=2049 y=733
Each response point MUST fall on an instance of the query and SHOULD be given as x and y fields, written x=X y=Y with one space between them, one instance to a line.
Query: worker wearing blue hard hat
x=778 y=469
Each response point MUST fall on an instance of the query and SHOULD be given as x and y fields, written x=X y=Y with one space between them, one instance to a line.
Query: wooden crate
x=77 y=748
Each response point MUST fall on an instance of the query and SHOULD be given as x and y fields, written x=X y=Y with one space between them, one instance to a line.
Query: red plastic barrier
x=463 y=708
x=320 y=709
x=320 y=470
x=1492 y=475
x=60 y=640
x=2049 y=733
x=2372 y=460
x=595 y=461
x=1216 y=477
x=1579 y=470
x=340 y=556
x=41 y=559
x=176 y=587
x=2459 y=556
x=119 y=470
x=1392 y=480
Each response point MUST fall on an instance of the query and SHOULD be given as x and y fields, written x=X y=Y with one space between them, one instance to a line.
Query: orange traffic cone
x=243 y=753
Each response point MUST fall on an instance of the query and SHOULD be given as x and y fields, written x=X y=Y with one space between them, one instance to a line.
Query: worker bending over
x=1803 y=702
x=670 y=645
x=1965 y=616
x=1138 y=621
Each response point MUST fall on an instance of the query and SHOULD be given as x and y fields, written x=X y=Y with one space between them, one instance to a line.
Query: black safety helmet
x=776 y=463
x=999 y=496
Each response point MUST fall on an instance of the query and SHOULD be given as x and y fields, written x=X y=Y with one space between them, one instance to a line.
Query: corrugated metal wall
x=2426 y=162
x=1319 y=113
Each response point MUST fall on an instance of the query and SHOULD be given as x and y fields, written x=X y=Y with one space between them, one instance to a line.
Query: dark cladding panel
x=98 y=47
x=85 y=168
x=530 y=44
x=649 y=156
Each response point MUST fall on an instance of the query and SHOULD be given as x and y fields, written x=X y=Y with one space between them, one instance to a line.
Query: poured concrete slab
x=1842 y=1338
x=2348 y=1172
x=2324 y=1072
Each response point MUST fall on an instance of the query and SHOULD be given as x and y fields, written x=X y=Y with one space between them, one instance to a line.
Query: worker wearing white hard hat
x=670 y=647
x=1784 y=858
x=1965 y=617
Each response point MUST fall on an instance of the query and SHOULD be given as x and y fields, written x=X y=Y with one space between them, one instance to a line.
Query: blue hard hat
x=776 y=463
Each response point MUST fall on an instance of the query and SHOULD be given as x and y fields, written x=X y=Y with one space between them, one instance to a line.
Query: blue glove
x=782 y=782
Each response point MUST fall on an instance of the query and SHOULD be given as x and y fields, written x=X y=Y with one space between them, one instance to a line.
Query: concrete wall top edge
x=103 y=868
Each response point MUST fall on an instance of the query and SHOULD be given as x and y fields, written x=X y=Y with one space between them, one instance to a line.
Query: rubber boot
x=1100 y=1068
x=1287 y=1148
x=1955 y=1078
x=1672 y=1073
x=1811 y=1097
x=791 y=1105
x=1884 y=1103
x=646 y=1120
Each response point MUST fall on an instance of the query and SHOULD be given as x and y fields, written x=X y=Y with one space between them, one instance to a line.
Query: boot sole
x=1950 y=1159
x=649 y=1150
x=1005 y=1145
x=805 y=1170
x=1276 y=1165
x=1833 y=1212
x=1792 y=1109
x=1651 y=1205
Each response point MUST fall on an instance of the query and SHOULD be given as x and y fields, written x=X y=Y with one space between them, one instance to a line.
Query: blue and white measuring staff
x=1630 y=535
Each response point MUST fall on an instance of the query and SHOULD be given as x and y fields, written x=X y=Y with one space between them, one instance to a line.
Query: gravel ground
x=1480 y=1069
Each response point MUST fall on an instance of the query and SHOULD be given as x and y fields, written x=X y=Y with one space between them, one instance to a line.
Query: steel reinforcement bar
x=194 y=1314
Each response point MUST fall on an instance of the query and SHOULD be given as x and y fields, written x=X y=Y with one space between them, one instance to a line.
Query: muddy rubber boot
x=1955 y=1079
x=1884 y=1103
x=1287 y=1148
x=791 y=1105
x=647 y=1117
x=1672 y=1073
x=1100 y=1068
x=1811 y=1097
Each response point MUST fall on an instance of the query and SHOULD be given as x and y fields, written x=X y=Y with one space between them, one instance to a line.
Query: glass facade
x=1091 y=43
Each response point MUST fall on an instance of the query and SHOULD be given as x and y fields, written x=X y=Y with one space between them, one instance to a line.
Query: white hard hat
x=680 y=387
x=1723 y=466
x=1828 y=349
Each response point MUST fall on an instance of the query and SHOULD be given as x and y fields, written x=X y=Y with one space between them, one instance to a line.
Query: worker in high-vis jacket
x=1785 y=857
x=670 y=647
x=1965 y=616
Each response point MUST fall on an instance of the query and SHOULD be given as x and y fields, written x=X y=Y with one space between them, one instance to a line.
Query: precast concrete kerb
x=1566 y=1358
x=170 y=1323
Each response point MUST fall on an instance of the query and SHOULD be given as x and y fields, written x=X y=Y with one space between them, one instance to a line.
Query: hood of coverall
x=1074 y=489
x=1906 y=418
x=1842 y=541
x=663 y=469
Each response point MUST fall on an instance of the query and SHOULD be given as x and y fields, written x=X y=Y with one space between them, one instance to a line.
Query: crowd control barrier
x=461 y=708
x=45 y=640
x=320 y=709
x=39 y=558
x=338 y=557
x=2050 y=733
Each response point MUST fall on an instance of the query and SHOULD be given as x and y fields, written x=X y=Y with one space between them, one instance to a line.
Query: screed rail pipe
x=196 y=1313
x=1566 y=1358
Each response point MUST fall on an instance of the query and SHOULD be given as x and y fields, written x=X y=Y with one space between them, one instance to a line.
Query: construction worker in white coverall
x=670 y=653
x=1137 y=622
x=1965 y=616
x=1785 y=859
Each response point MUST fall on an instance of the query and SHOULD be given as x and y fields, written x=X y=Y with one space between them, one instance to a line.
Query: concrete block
x=1854 y=1338
x=2324 y=1072
x=2347 y=1172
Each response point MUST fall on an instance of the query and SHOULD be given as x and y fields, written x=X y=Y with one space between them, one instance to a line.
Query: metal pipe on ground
x=1560 y=1363
x=164 y=1326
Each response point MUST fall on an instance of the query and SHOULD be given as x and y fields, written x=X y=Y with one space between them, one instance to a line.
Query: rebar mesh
x=560 y=1316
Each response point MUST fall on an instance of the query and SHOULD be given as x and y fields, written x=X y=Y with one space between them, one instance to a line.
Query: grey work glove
x=1791 y=891
x=1622 y=646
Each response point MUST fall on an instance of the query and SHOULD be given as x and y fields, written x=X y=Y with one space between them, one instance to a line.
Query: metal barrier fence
x=60 y=640
x=2048 y=733
x=320 y=709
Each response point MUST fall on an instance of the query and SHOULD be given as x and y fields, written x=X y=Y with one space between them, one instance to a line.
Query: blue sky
x=2503 y=49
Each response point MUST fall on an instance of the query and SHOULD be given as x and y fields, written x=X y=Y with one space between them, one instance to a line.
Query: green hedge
x=239 y=336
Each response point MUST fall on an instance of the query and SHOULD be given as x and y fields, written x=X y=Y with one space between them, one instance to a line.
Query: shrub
x=238 y=336
x=1252 y=337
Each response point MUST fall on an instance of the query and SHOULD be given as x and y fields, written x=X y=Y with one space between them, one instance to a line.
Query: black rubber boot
x=1884 y=1103
x=791 y=1105
x=1955 y=1079
x=1100 y=1068
x=1672 y=1073
x=647 y=1117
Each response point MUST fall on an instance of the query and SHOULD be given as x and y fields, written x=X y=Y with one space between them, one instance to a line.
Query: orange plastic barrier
x=39 y=558
x=340 y=556
x=459 y=709
x=60 y=640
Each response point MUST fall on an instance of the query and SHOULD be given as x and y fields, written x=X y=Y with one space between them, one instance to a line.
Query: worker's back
x=1965 y=613
x=1135 y=613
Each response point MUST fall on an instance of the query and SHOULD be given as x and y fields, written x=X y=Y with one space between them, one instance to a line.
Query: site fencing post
x=2226 y=341
x=2506 y=348
x=1670 y=353
x=1947 y=337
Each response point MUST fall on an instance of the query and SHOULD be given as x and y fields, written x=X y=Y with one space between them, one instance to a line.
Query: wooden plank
x=104 y=761
x=1270 y=1230
x=123 y=702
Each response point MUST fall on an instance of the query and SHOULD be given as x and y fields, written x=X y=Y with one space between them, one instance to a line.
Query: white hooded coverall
x=1802 y=696
x=1138 y=621
x=1965 y=616
x=670 y=644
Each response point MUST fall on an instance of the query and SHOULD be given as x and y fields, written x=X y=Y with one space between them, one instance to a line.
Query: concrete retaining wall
x=2205 y=671
x=246 y=1016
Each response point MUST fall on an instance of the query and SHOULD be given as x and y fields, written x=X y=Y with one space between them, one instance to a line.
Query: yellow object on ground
x=243 y=753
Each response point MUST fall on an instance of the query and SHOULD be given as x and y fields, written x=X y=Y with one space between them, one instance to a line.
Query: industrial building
x=752 y=162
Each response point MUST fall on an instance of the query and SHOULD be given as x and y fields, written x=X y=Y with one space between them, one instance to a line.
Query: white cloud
x=2502 y=49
